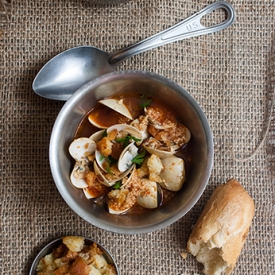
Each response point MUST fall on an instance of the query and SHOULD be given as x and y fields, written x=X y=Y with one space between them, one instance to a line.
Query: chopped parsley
x=146 y=103
x=110 y=160
x=108 y=169
x=126 y=140
x=104 y=134
x=139 y=158
x=117 y=185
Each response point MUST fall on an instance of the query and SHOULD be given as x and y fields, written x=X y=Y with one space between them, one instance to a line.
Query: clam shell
x=92 y=194
x=117 y=195
x=97 y=136
x=173 y=175
x=77 y=182
x=100 y=160
x=80 y=148
x=87 y=194
x=161 y=153
x=126 y=157
x=117 y=105
x=126 y=129
x=107 y=182
x=96 y=124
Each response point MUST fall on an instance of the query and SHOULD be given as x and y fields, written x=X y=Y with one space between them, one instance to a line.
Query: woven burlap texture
x=231 y=74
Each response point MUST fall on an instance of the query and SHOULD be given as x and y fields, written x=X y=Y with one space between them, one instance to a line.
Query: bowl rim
x=207 y=171
x=48 y=247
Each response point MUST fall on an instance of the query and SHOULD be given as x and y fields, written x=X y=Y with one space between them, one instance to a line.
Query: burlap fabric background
x=231 y=74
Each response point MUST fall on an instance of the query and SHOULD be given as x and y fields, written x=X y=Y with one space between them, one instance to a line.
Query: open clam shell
x=117 y=105
x=152 y=146
x=92 y=193
x=126 y=157
x=151 y=195
x=120 y=201
x=102 y=178
x=77 y=181
x=124 y=130
x=97 y=135
x=113 y=207
x=81 y=148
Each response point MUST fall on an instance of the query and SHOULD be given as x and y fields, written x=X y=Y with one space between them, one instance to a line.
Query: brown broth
x=109 y=117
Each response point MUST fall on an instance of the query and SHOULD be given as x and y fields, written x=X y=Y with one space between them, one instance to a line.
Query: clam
x=173 y=174
x=153 y=146
x=81 y=148
x=119 y=201
x=97 y=135
x=101 y=160
x=87 y=194
x=94 y=187
x=151 y=195
x=103 y=117
x=117 y=105
x=124 y=130
x=109 y=178
x=121 y=135
x=126 y=157
x=77 y=176
x=115 y=201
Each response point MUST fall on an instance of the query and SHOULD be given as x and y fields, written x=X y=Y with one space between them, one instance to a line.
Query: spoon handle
x=187 y=28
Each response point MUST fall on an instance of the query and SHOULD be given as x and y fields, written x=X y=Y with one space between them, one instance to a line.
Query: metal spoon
x=65 y=73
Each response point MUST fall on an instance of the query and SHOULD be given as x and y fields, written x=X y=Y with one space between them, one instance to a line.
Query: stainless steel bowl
x=157 y=86
x=50 y=246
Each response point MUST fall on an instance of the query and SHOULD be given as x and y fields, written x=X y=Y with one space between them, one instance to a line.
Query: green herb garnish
x=146 y=103
x=139 y=158
x=108 y=169
x=104 y=134
x=117 y=185
x=126 y=140
x=111 y=160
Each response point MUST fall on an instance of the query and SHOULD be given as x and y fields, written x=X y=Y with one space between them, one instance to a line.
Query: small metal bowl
x=175 y=97
x=49 y=248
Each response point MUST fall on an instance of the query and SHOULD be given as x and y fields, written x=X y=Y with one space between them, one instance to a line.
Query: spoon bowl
x=69 y=70
x=65 y=73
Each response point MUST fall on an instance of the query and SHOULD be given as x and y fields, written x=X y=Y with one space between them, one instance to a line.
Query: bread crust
x=220 y=232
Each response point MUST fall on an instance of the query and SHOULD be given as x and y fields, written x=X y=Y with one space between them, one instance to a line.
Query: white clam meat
x=151 y=195
x=81 y=148
x=117 y=105
x=173 y=174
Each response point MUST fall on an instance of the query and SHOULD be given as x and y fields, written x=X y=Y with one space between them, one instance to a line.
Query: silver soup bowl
x=55 y=243
x=191 y=115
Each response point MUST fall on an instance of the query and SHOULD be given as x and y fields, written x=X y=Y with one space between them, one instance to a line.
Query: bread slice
x=220 y=232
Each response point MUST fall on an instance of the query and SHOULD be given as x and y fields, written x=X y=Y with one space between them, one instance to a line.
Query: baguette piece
x=219 y=234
